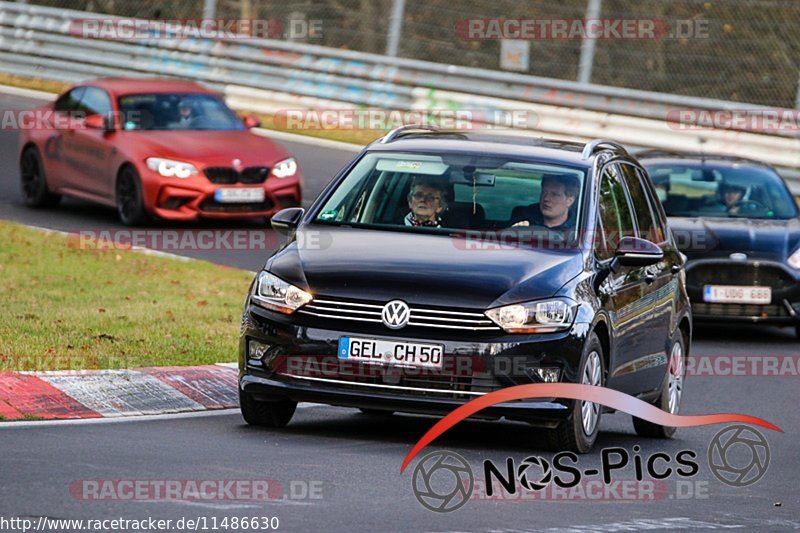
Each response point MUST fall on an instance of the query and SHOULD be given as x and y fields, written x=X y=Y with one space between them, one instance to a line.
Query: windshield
x=707 y=191
x=456 y=192
x=177 y=111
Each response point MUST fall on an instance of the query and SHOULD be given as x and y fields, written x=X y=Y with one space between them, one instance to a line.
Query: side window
x=616 y=220
x=69 y=101
x=95 y=102
x=656 y=208
x=648 y=229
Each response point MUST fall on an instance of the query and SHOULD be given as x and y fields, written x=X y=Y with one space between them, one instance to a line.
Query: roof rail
x=593 y=145
x=395 y=133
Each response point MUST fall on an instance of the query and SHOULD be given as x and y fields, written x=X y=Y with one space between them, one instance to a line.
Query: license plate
x=735 y=294
x=394 y=353
x=253 y=194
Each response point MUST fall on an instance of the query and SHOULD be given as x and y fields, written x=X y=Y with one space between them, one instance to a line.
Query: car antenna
x=702 y=140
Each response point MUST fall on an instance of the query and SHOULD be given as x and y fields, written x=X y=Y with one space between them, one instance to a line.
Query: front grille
x=739 y=310
x=229 y=175
x=212 y=206
x=373 y=377
x=425 y=317
x=738 y=274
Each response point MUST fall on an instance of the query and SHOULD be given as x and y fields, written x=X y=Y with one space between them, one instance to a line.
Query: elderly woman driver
x=426 y=199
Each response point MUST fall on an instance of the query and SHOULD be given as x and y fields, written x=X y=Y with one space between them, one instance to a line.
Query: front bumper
x=193 y=198
x=784 y=309
x=301 y=364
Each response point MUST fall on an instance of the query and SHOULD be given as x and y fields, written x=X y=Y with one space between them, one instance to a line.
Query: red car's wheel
x=130 y=204
x=33 y=182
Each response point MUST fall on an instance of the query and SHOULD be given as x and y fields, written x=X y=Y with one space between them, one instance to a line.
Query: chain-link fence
x=740 y=50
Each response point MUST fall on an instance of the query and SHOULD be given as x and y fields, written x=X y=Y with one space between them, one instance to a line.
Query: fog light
x=256 y=349
x=546 y=375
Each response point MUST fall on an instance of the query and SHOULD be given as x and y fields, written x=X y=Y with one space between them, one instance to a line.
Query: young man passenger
x=552 y=212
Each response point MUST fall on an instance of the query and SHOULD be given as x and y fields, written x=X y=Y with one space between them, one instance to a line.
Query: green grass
x=69 y=308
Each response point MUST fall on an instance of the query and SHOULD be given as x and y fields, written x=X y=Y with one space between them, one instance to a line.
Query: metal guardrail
x=37 y=41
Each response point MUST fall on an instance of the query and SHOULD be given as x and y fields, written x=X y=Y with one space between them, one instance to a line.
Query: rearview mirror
x=635 y=252
x=286 y=220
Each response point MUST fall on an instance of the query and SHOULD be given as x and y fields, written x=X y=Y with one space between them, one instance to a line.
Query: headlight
x=271 y=292
x=535 y=317
x=171 y=169
x=794 y=260
x=285 y=168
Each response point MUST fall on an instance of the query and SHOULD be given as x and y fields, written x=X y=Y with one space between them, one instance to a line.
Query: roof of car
x=121 y=86
x=528 y=147
x=696 y=157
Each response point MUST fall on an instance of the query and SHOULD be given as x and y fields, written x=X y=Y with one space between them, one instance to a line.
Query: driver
x=729 y=197
x=186 y=113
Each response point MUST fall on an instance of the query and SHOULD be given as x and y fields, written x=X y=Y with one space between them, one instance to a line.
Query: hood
x=719 y=237
x=434 y=270
x=207 y=148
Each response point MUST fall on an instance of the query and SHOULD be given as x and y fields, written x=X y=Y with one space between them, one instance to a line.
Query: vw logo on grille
x=395 y=314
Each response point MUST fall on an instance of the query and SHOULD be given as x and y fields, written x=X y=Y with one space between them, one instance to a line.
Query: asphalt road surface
x=335 y=469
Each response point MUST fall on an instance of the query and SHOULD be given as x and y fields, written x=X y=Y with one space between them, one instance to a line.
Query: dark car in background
x=388 y=314
x=737 y=222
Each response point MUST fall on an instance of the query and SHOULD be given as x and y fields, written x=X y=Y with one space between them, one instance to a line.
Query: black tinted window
x=648 y=229
x=70 y=100
x=616 y=220
x=95 y=102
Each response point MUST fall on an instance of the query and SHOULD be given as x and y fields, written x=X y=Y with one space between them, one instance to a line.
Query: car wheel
x=130 y=205
x=375 y=412
x=669 y=399
x=33 y=182
x=579 y=431
x=267 y=414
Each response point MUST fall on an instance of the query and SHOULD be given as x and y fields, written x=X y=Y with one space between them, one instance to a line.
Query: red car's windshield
x=177 y=111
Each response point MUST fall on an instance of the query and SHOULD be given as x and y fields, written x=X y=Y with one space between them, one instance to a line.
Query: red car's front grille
x=229 y=175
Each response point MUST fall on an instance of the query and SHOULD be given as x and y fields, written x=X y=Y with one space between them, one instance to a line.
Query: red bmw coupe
x=160 y=148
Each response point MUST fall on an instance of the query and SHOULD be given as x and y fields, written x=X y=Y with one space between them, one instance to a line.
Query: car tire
x=130 y=203
x=267 y=414
x=375 y=412
x=33 y=182
x=578 y=432
x=669 y=399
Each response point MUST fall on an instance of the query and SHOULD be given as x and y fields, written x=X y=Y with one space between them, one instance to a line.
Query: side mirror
x=286 y=220
x=100 y=122
x=634 y=252
x=95 y=122
x=251 y=122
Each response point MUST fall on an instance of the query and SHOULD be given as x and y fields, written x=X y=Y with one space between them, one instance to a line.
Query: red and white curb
x=117 y=393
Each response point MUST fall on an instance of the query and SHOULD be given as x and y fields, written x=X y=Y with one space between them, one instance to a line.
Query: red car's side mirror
x=95 y=122
x=251 y=122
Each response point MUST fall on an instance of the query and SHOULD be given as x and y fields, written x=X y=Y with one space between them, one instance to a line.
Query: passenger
x=426 y=199
x=558 y=194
